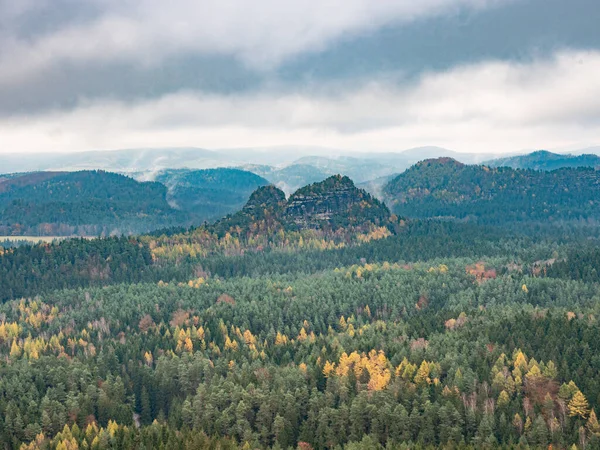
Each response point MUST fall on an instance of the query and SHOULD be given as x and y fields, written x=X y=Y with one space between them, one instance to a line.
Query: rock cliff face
x=335 y=201
x=322 y=200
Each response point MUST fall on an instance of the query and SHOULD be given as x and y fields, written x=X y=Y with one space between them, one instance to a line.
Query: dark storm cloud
x=65 y=86
x=516 y=31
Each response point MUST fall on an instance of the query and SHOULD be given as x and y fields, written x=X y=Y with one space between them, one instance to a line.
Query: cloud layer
x=492 y=106
x=476 y=75
x=262 y=34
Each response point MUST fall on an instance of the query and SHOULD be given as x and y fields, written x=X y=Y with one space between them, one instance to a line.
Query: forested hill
x=331 y=204
x=442 y=336
x=209 y=194
x=336 y=201
x=545 y=160
x=82 y=203
x=327 y=215
x=446 y=188
x=97 y=202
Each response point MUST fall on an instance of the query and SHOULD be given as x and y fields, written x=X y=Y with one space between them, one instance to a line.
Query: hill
x=330 y=214
x=335 y=202
x=414 y=155
x=209 y=194
x=82 y=203
x=446 y=188
x=544 y=160
x=331 y=204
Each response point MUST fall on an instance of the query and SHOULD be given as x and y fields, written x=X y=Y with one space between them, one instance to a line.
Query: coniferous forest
x=321 y=321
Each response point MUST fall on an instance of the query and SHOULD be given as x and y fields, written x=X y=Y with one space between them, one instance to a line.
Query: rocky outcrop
x=322 y=202
x=331 y=204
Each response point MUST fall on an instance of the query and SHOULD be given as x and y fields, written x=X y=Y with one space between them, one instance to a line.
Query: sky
x=486 y=76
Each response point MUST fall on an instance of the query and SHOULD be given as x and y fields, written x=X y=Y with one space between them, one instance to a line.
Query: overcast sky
x=469 y=75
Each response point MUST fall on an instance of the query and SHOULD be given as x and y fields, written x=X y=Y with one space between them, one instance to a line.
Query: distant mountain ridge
x=98 y=202
x=370 y=170
x=448 y=189
x=125 y=161
x=545 y=160
x=289 y=167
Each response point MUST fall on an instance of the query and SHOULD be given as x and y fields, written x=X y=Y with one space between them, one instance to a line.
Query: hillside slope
x=82 y=203
x=331 y=214
x=209 y=194
x=446 y=188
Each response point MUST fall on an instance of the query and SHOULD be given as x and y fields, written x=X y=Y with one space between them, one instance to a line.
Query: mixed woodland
x=320 y=321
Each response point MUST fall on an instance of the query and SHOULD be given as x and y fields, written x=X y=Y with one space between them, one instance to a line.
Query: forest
x=85 y=203
x=446 y=188
x=91 y=203
x=322 y=321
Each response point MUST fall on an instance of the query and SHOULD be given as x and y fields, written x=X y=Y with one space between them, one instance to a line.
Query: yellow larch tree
x=148 y=358
x=578 y=406
x=592 y=424
x=422 y=376
x=328 y=369
x=15 y=350
x=281 y=339
x=302 y=335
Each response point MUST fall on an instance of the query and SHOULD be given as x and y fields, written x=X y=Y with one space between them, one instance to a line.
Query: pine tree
x=550 y=371
x=146 y=410
x=484 y=431
x=187 y=413
x=539 y=432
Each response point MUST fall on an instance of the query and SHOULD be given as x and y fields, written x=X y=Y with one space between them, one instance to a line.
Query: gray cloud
x=517 y=31
x=59 y=53
x=65 y=86
x=70 y=38
x=260 y=33
x=477 y=75
x=490 y=106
